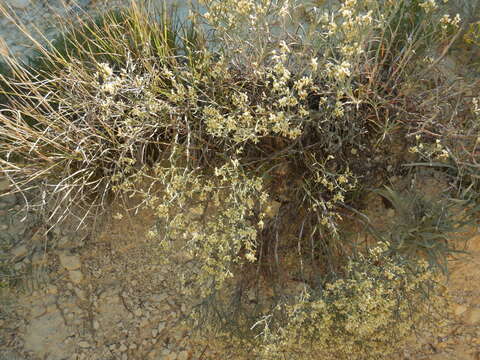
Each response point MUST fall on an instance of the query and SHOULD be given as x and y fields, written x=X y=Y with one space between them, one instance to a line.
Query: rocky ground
x=101 y=294
x=80 y=296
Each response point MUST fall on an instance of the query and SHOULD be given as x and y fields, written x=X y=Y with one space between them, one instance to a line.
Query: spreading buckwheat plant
x=252 y=131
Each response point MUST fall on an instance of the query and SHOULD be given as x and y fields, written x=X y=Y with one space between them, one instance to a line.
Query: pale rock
x=122 y=348
x=171 y=356
x=183 y=355
x=20 y=251
x=460 y=309
x=70 y=262
x=473 y=316
x=161 y=326
x=52 y=289
x=52 y=308
x=75 y=276
x=80 y=293
x=84 y=344
x=19 y=4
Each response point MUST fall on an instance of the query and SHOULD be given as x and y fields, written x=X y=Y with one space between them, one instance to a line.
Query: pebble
x=75 y=276
x=19 y=4
x=171 y=356
x=460 y=309
x=84 y=344
x=70 y=262
x=20 y=251
x=52 y=289
x=80 y=293
x=122 y=348
x=473 y=316
x=161 y=326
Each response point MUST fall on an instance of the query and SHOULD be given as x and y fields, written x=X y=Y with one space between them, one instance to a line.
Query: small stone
x=20 y=251
x=137 y=312
x=3 y=227
x=84 y=344
x=96 y=325
x=75 y=276
x=19 y=4
x=161 y=326
x=52 y=289
x=80 y=293
x=171 y=356
x=183 y=355
x=122 y=348
x=473 y=316
x=70 y=262
x=459 y=309
x=52 y=308
x=132 y=346
x=154 y=333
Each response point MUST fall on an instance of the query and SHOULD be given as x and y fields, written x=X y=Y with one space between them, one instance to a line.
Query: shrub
x=370 y=313
x=251 y=137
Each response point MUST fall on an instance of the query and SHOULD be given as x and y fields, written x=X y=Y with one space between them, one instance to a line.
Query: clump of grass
x=424 y=227
x=86 y=113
